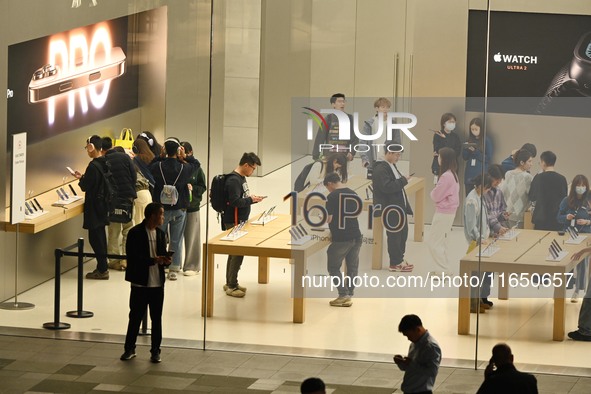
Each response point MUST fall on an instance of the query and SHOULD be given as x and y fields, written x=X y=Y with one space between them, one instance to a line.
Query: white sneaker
x=342 y=302
x=190 y=273
x=241 y=288
x=575 y=298
x=172 y=276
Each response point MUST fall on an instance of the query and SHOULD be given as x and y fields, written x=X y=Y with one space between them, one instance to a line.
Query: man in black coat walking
x=146 y=259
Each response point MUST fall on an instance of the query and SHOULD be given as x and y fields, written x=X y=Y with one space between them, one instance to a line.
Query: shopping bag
x=125 y=139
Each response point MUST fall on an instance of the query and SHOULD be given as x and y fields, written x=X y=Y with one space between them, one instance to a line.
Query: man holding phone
x=501 y=376
x=95 y=206
x=146 y=259
x=238 y=202
x=388 y=190
x=424 y=356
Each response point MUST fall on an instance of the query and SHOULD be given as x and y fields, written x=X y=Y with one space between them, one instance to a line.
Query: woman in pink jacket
x=446 y=196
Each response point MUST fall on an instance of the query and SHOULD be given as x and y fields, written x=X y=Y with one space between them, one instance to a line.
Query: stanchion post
x=79 y=313
x=15 y=306
x=56 y=324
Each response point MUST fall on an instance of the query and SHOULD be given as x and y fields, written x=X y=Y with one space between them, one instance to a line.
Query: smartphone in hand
x=71 y=171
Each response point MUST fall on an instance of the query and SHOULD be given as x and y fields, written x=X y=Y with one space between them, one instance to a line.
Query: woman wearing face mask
x=445 y=138
x=573 y=212
x=516 y=187
x=476 y=152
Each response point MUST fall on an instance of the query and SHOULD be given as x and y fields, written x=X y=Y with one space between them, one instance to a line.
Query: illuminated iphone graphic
x=50 y=80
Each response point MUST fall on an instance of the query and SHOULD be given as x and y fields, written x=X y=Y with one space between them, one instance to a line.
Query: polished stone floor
x=53 y=365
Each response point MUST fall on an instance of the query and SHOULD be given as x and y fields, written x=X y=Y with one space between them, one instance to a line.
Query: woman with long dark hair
x=155 y=147
x=574 y=212
x=445 y=138
x=143 y=156
x=337 y=162
x=477 y=152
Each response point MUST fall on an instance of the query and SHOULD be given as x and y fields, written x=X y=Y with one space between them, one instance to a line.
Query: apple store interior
x=235 y=76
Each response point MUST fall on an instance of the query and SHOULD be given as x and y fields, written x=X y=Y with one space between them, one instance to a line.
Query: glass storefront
x=261 y=76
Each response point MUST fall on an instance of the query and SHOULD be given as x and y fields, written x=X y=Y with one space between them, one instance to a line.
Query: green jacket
x=197 y=180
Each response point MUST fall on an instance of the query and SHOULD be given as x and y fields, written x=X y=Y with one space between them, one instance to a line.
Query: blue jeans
x=174 y=225
x=337 y=251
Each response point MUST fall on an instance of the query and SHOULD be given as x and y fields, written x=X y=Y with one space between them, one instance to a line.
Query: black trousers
x=233 y=265
x=98 y=241
x=139 y=299
x=397 y=244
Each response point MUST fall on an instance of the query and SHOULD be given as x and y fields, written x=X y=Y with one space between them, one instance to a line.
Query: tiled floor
x=258 y=328
x=44 y=365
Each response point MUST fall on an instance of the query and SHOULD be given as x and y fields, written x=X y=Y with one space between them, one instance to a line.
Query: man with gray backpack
x=172 y=171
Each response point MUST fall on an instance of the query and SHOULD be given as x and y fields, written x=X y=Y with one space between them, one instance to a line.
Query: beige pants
x=139 y=204
x=437 y=240
x=116 y=238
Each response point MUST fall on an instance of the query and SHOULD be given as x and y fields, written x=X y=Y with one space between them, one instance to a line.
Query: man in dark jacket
x=388 y=191
x=331 y=135
x=174 y=169
x=95 y=206
x=239 y=200
x=501 y=376
x=547 y=190
x=147 y=257
x=125 y=177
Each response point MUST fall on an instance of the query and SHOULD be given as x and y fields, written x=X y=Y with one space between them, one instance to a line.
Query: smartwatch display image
x=574 y=78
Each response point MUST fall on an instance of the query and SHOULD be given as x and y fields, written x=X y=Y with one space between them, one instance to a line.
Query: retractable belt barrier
x=79 y=312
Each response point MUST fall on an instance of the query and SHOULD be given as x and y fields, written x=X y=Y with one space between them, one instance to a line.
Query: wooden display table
x=270 y=240
x=54 y=215
x=526 y=254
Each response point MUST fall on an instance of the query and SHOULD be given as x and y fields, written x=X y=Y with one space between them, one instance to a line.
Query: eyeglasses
x=251 y=166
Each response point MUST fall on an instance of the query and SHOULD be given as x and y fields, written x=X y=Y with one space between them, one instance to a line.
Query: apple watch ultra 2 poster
x=70 y=79
x=538 y=63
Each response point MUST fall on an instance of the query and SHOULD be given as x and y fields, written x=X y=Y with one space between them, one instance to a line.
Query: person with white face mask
x=574 y=212
x=445 y=138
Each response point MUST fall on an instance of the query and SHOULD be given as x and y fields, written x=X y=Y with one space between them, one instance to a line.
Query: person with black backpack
x=172 y=172
x=95 y=206
x=238 y=202
x=125 y=177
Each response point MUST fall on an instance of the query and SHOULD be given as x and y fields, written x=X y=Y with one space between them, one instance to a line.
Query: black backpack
x=217 y=192
x=119 y=210
x=108 y=187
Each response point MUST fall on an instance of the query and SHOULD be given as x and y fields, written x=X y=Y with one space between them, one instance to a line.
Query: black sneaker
x=128 y=355
x=577 y=336
x=155 y=358
x=485 y=301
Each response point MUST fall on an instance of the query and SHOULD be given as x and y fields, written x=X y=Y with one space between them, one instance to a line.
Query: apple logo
x=497 y=57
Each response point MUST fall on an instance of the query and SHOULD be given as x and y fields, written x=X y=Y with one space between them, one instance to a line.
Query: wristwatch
x=574 y=77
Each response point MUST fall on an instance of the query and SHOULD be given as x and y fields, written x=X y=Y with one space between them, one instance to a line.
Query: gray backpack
x=169 y=194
